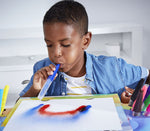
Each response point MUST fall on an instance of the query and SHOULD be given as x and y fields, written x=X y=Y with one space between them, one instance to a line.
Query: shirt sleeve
x=130 y=74
x=145 y=72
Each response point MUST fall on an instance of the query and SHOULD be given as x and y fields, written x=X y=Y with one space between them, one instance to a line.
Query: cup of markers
x=141 y=105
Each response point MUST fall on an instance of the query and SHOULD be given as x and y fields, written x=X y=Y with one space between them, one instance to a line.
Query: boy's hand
x=126 y=95
x=41 y=76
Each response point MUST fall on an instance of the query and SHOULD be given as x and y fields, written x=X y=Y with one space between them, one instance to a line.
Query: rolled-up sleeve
x=145 y=72
x=131 y=74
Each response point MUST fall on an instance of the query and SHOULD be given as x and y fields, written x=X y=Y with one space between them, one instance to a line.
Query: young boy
x=66 y=35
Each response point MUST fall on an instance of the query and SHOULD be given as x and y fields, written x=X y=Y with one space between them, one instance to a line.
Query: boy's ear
x=86 y=40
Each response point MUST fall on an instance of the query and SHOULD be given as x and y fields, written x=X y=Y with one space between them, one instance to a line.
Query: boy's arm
x=125 y=97
x=32 y=92
x=39 y=79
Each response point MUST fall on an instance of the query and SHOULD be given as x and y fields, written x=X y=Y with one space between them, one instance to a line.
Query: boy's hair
x=68 y=12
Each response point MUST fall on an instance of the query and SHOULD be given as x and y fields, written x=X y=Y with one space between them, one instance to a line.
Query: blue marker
x=1 y=96
x=48 y=83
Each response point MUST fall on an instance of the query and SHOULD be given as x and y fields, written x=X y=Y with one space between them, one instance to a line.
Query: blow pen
x=135 y=93
x=147 y=93
x=144 y=89
x=48 y=83
x=138 y=104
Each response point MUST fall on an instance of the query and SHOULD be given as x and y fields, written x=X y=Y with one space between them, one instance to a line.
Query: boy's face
x=66 y=47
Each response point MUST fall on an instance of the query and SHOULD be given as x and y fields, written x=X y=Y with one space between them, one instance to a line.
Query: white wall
x=29 y=13
x=122 y=11
x=23 y=13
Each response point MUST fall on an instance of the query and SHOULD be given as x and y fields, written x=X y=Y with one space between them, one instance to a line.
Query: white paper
x=101 y=116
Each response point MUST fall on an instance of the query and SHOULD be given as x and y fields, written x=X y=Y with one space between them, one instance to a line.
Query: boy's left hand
x=126 y=95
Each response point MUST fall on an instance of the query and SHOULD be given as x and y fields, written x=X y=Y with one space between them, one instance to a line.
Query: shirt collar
x=89 y=66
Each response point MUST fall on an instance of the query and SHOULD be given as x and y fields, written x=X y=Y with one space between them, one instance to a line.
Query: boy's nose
x=57 y=52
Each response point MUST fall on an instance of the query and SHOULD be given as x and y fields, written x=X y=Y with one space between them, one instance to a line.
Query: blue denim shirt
x=105 y=75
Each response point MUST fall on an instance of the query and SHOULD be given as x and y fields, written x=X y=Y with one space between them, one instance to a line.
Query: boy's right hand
x=126 y=95
x=41 y=76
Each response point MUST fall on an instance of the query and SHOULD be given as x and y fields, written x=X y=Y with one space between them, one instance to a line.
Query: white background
x=29 y=13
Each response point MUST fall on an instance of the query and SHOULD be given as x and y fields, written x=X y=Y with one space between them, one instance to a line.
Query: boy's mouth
x=61 y=65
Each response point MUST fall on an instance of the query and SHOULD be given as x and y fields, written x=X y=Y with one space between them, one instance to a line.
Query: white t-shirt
x=77 y=85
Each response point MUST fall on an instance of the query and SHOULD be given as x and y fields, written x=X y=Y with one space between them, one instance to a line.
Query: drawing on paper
x=65 y=114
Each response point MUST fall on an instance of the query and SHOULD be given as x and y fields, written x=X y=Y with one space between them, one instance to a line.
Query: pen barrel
x=53 y=76
x=44 y=89
x=138 y=104
x=135 y=93
x=147 y=93
x=48 y=83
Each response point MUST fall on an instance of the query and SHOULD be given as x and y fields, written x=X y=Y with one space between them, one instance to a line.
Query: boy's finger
x=41 y=73
x=129 y=90
x=124 y=98
x=128 y=94
x=44 y=73
x=47 y=71
x=52 y=67
x=36 y=77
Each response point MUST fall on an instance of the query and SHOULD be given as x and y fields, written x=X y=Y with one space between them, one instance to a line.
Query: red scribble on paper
x=43 y=111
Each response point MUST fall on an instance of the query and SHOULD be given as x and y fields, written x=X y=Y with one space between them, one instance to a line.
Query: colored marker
x=147 y=113
x=48 y=83
x=1 y=96
x=138 y=104
x=135 y=93
x=5 y=93
x=146 y=103
x=147 y=93
x=144 y=91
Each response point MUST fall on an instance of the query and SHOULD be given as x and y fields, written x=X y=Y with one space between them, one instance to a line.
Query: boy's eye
x=49 y=45
x=66 y=45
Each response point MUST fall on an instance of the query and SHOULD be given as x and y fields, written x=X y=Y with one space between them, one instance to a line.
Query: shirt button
x=63 y=93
